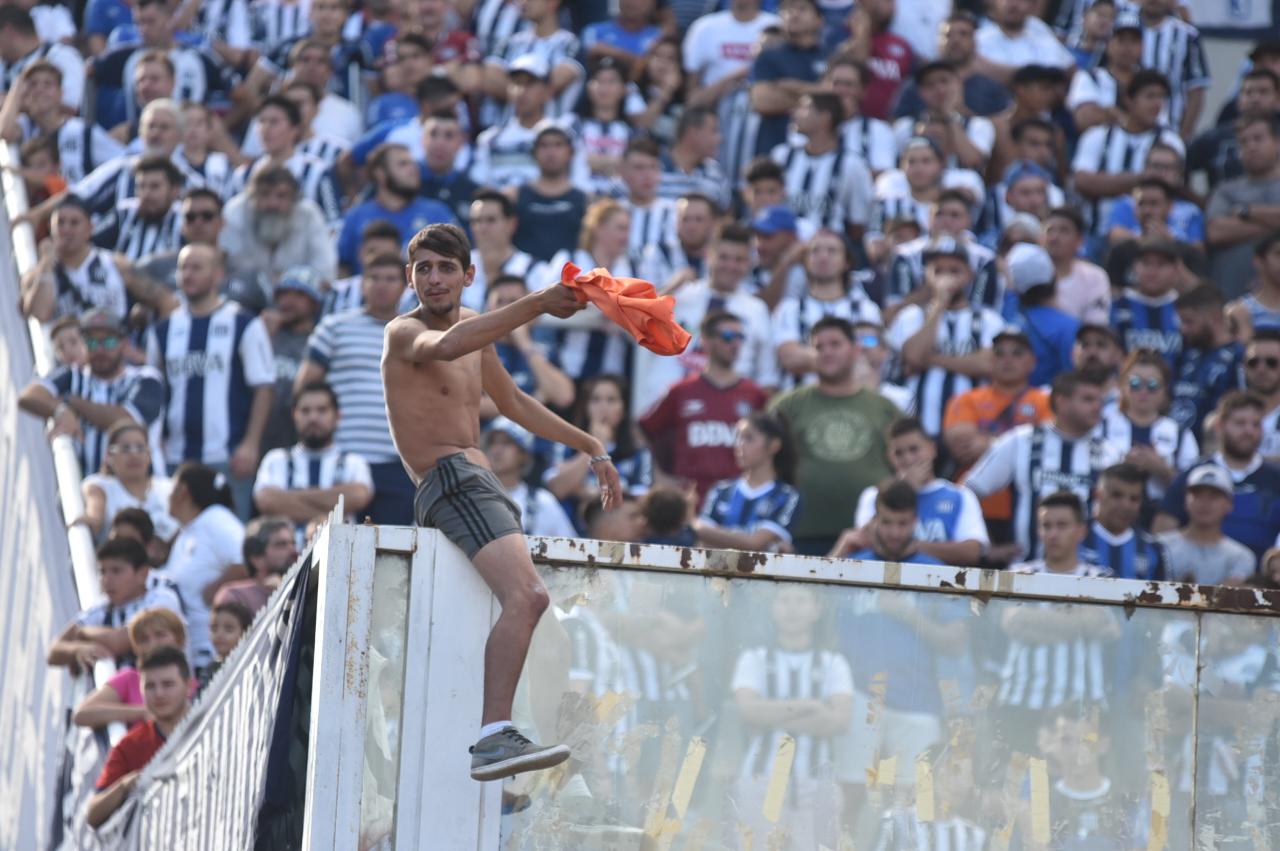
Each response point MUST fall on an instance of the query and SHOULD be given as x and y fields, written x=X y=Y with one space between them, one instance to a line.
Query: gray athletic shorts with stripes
x=466 y=502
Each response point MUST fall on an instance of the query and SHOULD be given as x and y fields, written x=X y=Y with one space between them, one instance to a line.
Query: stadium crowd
x=966 y=286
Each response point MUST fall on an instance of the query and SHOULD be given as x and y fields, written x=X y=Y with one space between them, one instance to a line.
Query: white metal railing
x=66 y=464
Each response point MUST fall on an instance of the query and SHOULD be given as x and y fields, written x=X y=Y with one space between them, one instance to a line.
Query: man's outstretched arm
x=408 y=341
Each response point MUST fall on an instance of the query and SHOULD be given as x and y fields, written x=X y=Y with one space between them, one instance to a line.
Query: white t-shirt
x=981 y=132
x=155 y=503
x=719 y=44
x=918 y=23
x=202 y=552
x=1035 y=45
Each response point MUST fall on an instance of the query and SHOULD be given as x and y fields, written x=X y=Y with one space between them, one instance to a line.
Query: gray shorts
x=466 y=502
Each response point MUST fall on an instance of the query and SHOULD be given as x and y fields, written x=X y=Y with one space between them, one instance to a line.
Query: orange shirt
x=994 y=412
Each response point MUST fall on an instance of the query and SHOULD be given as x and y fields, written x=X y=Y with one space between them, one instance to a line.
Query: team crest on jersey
x=945 y=506
x=1026 y=409
x=692 y=407
x=742 y=408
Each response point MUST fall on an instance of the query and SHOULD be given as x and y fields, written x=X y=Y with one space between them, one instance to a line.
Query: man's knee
x=528 y=599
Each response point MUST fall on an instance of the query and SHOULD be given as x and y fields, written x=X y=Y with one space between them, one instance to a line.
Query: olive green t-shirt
x=841 y=448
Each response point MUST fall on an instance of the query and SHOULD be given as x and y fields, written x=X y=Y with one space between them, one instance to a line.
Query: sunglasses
x=201 y=215
x=1255 y=362
x=732 y=336
x=869 y=341
x=1152 y=384
x=108 y=343
x=128 y=449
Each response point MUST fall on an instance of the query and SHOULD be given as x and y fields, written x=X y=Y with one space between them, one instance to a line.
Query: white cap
x=1029 y=266
x=1211 y=476
x=530 y=63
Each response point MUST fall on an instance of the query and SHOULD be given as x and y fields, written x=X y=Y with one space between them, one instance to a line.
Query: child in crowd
x=120 y=698
x=228 y=622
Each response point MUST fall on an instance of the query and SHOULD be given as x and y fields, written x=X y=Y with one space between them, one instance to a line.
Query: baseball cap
x=301 y=279
x=944 y=246
x=1026 y=221
x=548 y=127
x=1211 y=476
x=100 y=319
x=1029 y=266
x=1159 y=245
x=773 y=220
x=1012 y=332
x=922 y=142
x=1127 y=21
x=532 y=64
x=518 y=433
x=1022 y=169
x=1097 y=328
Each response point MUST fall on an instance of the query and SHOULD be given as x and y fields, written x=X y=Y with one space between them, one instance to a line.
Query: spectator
x=885 y=54
x=1210 y=363
x=1215 y=151
x=323 y=28
x=69 y=349
x=206 y=554
x=493 y=225
x=306 y=480
x=1244 y=210
x=127 y=479
x=831 y=188
x=945 y=349
x=1199 y=552
x=202 y=166
x=377 y=240
x=270 y=228
x=661 y=82
x=1172 y=47
x=541 y=37
x=728 y=266
x=230 y=621
x=297 y=301
x=1262 y=378
x=1254 y=518
x=119 y=700
x=1014 y=38
x=967 y=140
x=1061 y=522
x=396 y=180
x=346 y=350
x=627 y=36
x=914 y=189
x=164 y=680
x=1039 y=460
x=667 y=263
x=99 y=632
x=509 y=448
x=691 y=425
x=1096 y=94
x=780 y=75
x=666 y=518
x=1083 y=290
x=1027 y=189
x=870 y=139
x=1116 y=540
x=149 y=221
x=653 y=219
x=21 y=45
x=625 y=524
x=1144 y=315
x=307 y=97
x=85 y=402
x=1149 y=215
x=444 y=175
x=833 y=464
x=1259 y=309
x=219 y=375
x=948 y=525
x=504 y=150
x=1052 y=331
x=949 y=216
x=525 y=361
x=1154 y=443
x=1098 y=350
x=269 y=550
x=72 y=275
x=601 y=123
x=956 y=46
x=776 y=275
x=690 y=165
x=201 y=217
x=550 y=206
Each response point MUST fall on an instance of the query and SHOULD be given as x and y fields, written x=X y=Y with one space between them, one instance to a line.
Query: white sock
x=495 y=727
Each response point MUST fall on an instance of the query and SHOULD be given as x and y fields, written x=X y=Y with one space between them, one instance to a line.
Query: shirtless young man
x=435 y=362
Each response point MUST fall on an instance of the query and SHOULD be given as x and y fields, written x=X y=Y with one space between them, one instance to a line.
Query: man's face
x=278 y=135
x=1241 y=433
x=121 y=581
x=315 y=419
x=1118 y=503
x=504 y=454
x=724 y=344
x=730 y=263
x=400 y=174
x=1197 y=328
x=1061 y=239
x=312 y=65
x=42 y=93
x=527 y=93
x=1147 y=104
x=155 y=193
x=767 y=193
x=641 y=173
x=196 y=130
x=165 y=692
x=278 y=199
x=151 y=81
x=438 y=280
x=383 y=287
x=1081 y=410
x=294 y=307
x=489 y=226
x=69 y=348
x=1125 y=49
x=1166 y=165
x=945 y=266
x=553 y=153
x=909 y=451
x=1061 y=532
x=199 y=273
x=152 y=23
x=1095 y=350
x=950 y=218
x=1012 y=362
x=957 y=43
x=1029 y=195
x=159 y=131
x=836 y=354
x=1155 y=274
x=1012 y=13
x=106 y=351
x=1259 y=150
x=922 y=167
x=704 y=139
x=282 y=551
x=800 y=20
x=694 y=223
x=825 y=258
x=71 y=230
x=769 y=246
x=940 y=90
x=201 y=221
x=1151 y=205
x=442 y=141
x=1036 y=145
x=1262 y=367
x=846 y=84
x=1258 y=95
x=894 y=530
x=327 y=17
x=1208 y=506
x=500 y=296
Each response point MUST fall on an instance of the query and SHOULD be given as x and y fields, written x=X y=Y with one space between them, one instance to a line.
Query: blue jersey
x=731 y=504
x=609 y=33
x=413 y=217
x=1053 y=335
x=1133 y=555
x=1200 y=380
x=1148 y=323
x=944 y=512
x=1255 y=515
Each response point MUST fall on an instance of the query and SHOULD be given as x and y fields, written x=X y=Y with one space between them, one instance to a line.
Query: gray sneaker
x=508 y=752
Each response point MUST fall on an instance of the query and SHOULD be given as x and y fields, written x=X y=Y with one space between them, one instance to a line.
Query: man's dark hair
x=316 y=387
x=256 y=536
x=960 y=16
x=73 y=202
x=138 y=519
x=953 y=196
x=1066 y=383
x=643 y=145
x=1146 y=78
x=714 y=319
x=378 y=156
x=829 y=103
x=1238 y=400
x=290 y=109
x=382 y=261
x=701 y=198
x=896 y=495
x=1264 y=245
x=237 y=610
x=448 y=240
x=1203 y=296
x=1270 y=119
x=125 y=549
x=205 y=485
x=1257 y=72
x=380 y=229
x=775 y=427
x=1130 y=474
x=732 y=232
x=503 y=201
x=847 y=61
x=1067 y=500
x=763 y=168
x=312 y=91
x=693 y=118
x=197 y=193
x=1070 y=214
x=17 y=18
x=665 y=510
x=1265 y=335
x=272 y=176
x=1157 y=183
x=434 y=88
x=163 y=657
x=903 y=426
x=1021 y=128
x=162 y=164
x=508 y=280
x=839 y=323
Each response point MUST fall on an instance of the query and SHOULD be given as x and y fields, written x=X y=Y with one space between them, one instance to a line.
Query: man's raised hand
x=560 y=301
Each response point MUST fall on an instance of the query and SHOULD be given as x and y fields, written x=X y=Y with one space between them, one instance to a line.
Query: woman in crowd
x=603 y=124
x=126 y=480
x=119 y=699
x=660 y=77
x=754 y=511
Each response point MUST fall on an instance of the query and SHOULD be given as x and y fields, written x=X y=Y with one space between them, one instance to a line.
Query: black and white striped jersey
x=1111 y=149
x=226 y=21
x=739 y=127
x=65 y=57
x=493 y=22
x=707 y=178
x=560 y=48
x=82 y=145
x=325 y=148
x=126 y=231
x=906 y=272
x=1173 y=48
x=214 y=173
x=95 y=283
x=137 y=389
x=273 y=21
x=831 y=190
x=200 y=76
x=872 y=140
x=651 y=224
x=893 y=197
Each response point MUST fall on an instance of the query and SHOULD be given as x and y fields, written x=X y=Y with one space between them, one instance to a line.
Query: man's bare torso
x=434 y=407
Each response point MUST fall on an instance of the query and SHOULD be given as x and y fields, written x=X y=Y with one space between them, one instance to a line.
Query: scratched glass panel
x=388 y=624
x=708 y=713
x=1237 y=754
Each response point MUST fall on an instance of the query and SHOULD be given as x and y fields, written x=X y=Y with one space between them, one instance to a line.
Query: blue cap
x=302 y=279
x=518 y=433
x=1026 y=168
x=774 y=220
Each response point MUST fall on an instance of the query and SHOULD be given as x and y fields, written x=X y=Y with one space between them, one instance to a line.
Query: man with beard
x=397 y=179
x=86 y=401
x=269 y=229
x=1262 y=378
x=270 y=548
x=1210 y=362
x=150 y=221
x=1098 y=350
x=290 y=321
x=305 y=481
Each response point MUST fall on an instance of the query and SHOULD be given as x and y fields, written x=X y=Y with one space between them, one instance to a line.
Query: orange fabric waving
x=633 y=305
